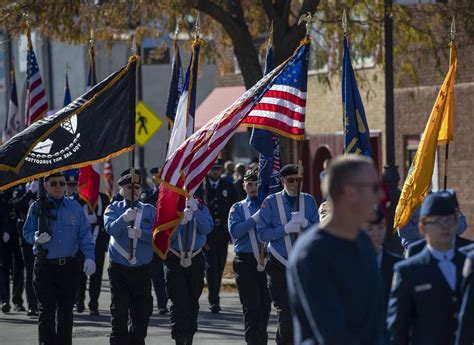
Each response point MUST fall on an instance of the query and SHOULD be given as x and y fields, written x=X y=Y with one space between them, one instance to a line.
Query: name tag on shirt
x=423 y=287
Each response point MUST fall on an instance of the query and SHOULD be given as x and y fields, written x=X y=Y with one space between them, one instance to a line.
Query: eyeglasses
x=442 y=221
x=55 y=183
x=293 y=179
x=136 y=187
x=374 y=186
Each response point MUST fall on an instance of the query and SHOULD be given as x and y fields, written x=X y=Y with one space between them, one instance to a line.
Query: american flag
x=12 y=121
x=36 y=102
x=282 y=108
x=186 y=167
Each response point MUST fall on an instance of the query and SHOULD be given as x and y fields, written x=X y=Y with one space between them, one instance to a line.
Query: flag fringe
x=67 y=167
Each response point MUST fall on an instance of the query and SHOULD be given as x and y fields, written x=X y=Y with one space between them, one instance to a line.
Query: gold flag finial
x=452 y=30
x=344 y=21
x=308 y=18
x=91 y=38
x=197 y=26
x=134 y=46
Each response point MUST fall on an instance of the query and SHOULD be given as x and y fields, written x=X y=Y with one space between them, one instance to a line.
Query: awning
x=218 y=100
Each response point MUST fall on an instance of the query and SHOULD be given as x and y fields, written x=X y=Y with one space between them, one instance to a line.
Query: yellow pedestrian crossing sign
x=146 y=123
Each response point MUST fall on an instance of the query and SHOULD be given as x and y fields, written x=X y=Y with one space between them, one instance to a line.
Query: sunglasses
x=374 y=186
x=443 y=221
x=55 y=183
x=136 y=187
x=293 y=179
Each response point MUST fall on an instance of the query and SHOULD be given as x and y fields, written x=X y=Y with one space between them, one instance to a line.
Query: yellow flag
x=438 y=130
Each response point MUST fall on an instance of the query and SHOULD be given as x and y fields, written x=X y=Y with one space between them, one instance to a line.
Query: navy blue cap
x=154 y=170
x=442 y=203
x=251 y=175
x=218 y=164
x=289 y=169
x=127 y=179
x=57 y=174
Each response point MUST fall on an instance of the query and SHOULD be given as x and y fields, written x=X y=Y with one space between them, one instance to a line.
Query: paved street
x=224 y=328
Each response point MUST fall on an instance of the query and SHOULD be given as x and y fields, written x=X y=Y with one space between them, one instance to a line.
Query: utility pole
x=390 y=176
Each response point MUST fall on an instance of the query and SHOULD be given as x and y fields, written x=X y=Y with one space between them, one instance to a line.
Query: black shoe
x=80 y=307
x=32 y=312
x=94 y=312
x=215 y=308
x=6 y=307
x=19 y=308
x=163 y=311
x=180 y=340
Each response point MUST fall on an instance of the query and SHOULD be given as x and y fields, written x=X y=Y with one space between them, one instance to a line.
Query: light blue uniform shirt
x=117 y=227
x=269 y=227
x=410 y=232
x=204 y=225
x=69 y=229
x=239 y=227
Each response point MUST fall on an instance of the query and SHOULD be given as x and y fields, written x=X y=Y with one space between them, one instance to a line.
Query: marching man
x=279 y=224
x=184 y=270
x=130 y=275
x=248 y=263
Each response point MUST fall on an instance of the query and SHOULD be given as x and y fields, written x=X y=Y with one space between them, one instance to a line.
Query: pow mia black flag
x=95 y=127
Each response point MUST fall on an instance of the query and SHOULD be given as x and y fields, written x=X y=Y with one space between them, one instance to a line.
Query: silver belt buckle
x=62 y=261
x=185 y=261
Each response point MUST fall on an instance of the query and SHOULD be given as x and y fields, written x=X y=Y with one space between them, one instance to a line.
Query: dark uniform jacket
x=465 y=333
x=418 y=246
x=219 y=201
x=386 y=270
x=422 y=308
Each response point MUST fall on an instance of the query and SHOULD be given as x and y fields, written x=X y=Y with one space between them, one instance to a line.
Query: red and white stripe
x=283 y=108
x=109 y=178
x=36 y=101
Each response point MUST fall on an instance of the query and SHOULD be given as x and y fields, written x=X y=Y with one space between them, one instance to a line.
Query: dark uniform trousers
x=130 y=288
x=184 y=287
x=29 y=260
x=95 y=280
x=216 y=258
x=276 y=281
x=254 y=296
x=55 y=287
x=12 y=261
x=158 y=277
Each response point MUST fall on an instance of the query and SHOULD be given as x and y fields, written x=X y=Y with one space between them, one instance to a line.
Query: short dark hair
x=340 y=172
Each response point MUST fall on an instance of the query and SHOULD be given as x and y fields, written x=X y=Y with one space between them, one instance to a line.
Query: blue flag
x=67 y=92
x=356 y=130
x=267 y=144
x=92 y=77
x=176 y=86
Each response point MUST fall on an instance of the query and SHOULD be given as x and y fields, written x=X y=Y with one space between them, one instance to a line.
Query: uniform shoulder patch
x=232 y=209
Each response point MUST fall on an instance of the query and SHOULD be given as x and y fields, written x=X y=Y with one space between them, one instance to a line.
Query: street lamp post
x=390 y=175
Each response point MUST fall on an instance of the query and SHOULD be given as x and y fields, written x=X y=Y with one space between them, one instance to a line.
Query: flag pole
x=452 y=32
x=197 y=28
x=132 y=159
x=308 y=18
x=175 y=44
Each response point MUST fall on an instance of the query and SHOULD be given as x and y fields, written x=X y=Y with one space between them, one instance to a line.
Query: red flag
x=169 y=206
x=89 y=184
x=109 y=179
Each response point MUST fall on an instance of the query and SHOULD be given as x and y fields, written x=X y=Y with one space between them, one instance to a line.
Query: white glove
x=299 y=218
x=134 y=233
x=256 y=216
x=129 y=215
x=33 y=186
x=187 y=216
x=42 y=238
x=292 y=227
x=91 y=217
x=6 y=237
x=89 y=267
x=192 y=204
